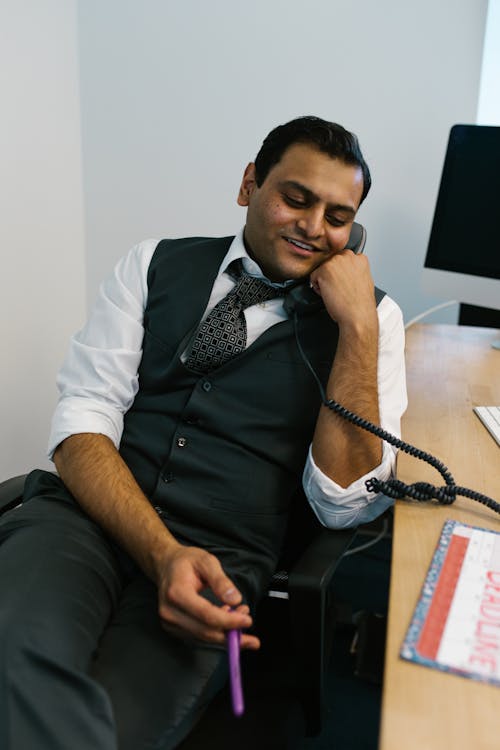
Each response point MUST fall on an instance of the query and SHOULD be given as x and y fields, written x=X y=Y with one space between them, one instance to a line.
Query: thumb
x=219 y=582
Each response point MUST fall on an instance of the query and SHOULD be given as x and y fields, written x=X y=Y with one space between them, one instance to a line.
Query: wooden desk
x=450 y=369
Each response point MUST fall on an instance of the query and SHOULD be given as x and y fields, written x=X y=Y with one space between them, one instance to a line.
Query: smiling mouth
x=302 y=245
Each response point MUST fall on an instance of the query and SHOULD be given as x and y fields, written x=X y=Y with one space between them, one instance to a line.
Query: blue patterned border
x=408 y=649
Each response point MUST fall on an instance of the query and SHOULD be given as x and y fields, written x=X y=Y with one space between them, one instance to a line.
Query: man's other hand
x=185 y=612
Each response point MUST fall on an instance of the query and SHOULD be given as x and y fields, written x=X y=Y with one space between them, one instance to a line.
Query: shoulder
x=131 y=271
x=388 y=309
x=139 y=257
x=191 y=250
x=183 y=244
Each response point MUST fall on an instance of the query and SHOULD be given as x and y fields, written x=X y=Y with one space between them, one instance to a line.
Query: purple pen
x=233 y=651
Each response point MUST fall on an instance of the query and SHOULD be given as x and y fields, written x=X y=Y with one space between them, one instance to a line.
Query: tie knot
x=250 y=291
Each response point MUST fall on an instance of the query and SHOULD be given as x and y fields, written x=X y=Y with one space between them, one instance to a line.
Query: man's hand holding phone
x=345 y=284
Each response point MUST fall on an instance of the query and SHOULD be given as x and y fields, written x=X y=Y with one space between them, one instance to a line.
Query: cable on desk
x=421 y=491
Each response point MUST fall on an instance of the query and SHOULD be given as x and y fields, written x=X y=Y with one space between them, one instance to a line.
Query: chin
x=299 y=270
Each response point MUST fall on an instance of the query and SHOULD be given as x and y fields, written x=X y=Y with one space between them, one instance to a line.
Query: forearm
x=99 y=479
x=101 y=482
x=341 y=450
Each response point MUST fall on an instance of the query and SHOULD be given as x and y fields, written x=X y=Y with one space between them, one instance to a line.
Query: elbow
x=57 y=456
x=333 y=516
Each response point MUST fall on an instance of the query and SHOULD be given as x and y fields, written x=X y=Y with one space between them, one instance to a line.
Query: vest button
x=181 y=442
x=168 y=477
x=207 y=386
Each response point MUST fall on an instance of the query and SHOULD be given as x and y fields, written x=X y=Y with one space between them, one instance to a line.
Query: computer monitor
x=463 y=255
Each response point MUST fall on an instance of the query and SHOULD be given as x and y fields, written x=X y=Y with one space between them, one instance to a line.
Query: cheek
x=338 y=239
x=270 y=212
x=278 y=213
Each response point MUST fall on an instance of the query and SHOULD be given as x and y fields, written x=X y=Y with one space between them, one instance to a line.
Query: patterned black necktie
x=223 y=333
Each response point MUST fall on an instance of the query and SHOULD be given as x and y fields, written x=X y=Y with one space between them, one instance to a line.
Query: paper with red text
x=456 y=623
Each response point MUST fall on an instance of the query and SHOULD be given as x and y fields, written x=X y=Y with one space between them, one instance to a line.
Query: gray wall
x=170 y=101
x=176 y=98
x=42 y=282
x=488 y=110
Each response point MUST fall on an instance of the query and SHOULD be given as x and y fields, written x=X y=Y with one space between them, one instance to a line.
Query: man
x=178 y=470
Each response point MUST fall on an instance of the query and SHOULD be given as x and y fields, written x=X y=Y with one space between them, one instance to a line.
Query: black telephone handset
x=302 y=298
x=357 y=238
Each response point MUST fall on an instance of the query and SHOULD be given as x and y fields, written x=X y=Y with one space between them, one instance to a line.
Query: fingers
x=211 y=571
x=201 y=618
x=184 y=611
x=193 y=571
x=186 y=627
x=340 y=264
x=345 y=284
x=249 y=642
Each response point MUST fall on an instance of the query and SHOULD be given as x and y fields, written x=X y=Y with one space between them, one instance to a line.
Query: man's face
x=302 y=213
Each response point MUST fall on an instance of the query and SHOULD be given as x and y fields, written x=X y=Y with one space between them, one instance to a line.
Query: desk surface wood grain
x=450 y=369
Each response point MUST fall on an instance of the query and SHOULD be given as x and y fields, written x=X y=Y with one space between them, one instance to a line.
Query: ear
x=248 y=185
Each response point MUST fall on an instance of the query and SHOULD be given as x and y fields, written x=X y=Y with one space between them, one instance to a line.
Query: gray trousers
x=84 y=662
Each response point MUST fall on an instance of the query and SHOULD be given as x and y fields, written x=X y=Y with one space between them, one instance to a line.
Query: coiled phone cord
x=394 y=488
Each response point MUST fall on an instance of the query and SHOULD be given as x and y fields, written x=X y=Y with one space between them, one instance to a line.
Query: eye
x=293 y=202
x=336 y=221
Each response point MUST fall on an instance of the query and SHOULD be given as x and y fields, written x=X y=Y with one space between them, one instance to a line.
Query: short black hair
x=326 y=136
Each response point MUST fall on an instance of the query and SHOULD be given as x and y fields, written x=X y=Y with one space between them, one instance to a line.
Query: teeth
x=301 y=244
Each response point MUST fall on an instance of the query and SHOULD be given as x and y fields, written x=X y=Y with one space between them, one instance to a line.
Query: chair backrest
x=302 y=527
x=11 y=492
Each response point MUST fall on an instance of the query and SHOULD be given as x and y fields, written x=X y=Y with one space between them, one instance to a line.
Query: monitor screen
x=465 y=234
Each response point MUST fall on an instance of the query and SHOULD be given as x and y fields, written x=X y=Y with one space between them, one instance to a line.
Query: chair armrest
x=315 y=567
x=11 y=492
x=311 y=628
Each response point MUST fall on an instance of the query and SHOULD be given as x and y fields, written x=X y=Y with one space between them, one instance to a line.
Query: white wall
x=176 y=98
x=488 y=112
x=42 y=284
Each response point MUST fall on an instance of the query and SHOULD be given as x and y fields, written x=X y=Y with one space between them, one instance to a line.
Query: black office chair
x=300 y=591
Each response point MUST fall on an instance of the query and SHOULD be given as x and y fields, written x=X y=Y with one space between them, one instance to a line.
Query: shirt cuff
x=338 y=507
x=78 y=415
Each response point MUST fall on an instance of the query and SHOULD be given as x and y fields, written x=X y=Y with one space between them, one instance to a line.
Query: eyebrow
x=315 y=198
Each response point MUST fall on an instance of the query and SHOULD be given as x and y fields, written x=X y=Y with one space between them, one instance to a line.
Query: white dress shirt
x=99 y=377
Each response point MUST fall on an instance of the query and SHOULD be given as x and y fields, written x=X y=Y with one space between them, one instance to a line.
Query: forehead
x=318 y=172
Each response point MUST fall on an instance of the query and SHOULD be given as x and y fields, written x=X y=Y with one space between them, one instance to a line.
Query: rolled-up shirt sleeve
x=98 y=380
x=339 y=507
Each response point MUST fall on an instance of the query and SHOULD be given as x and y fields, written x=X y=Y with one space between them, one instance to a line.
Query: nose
x=311 y=222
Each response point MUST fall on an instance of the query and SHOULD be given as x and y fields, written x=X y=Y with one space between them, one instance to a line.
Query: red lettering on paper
x=490 y=612
x=485 y=629
x=486 y=648
x=493 y=576
x=483 y=661
x=491 y=599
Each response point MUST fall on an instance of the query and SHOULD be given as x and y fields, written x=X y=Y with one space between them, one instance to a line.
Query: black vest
x=221 y=455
